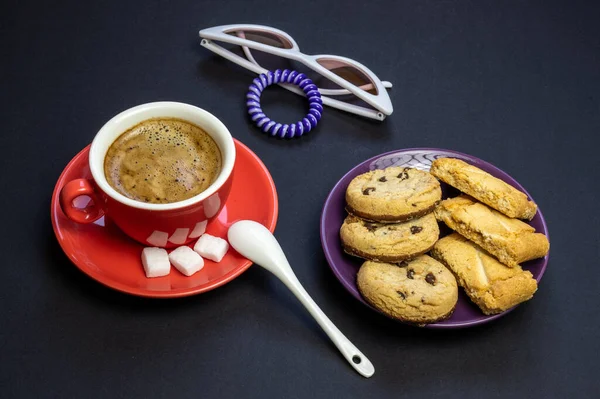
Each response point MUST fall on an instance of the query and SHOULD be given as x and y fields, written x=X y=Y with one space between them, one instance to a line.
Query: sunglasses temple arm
x=354 y=109
x=246 y=49
x=342 y=92
x=330 y=102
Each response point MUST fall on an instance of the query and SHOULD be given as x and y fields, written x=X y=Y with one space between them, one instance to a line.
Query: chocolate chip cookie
x=389 y=242
x=419 y=291
x=394 y=194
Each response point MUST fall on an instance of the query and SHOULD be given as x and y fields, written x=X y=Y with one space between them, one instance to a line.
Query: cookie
x=389 y=242
x=511 y=241
x=419 y=291
x=392 y=195
x=484 y=187
x=491 y=285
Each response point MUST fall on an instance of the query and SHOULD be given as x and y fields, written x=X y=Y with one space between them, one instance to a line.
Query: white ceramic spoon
x=255 y=242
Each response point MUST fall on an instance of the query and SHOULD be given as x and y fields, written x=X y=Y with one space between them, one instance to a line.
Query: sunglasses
x=344 y=74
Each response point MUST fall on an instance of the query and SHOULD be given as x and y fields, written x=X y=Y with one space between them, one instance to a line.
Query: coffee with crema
x=162 y=161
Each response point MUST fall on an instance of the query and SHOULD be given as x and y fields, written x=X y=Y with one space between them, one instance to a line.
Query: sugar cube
x=156 y=262
x=186 y=260
x=210 y=247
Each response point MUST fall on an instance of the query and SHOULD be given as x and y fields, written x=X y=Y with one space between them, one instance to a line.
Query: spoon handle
x=355 y=357
x=255 y=242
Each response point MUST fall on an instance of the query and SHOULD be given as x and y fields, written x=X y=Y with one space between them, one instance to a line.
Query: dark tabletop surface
x=515 y=84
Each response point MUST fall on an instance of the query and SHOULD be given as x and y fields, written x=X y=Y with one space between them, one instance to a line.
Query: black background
x=512 y=83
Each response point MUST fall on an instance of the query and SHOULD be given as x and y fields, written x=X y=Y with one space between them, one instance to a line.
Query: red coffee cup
x=159 y=225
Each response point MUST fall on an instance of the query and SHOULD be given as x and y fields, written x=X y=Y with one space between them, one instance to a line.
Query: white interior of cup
x=131 y=117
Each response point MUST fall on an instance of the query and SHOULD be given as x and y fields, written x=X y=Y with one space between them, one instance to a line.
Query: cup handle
x=74 y=189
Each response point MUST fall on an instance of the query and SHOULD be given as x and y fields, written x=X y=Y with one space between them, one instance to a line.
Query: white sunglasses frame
x=381 y=102
x=326 y=92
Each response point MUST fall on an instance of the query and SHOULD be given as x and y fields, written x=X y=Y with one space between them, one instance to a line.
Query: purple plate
x=345 y=267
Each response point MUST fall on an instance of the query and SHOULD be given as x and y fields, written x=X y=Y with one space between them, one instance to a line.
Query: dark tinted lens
x=268 y=38
x=350 y=73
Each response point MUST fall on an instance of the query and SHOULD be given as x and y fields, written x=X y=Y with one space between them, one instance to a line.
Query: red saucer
x=108 y=256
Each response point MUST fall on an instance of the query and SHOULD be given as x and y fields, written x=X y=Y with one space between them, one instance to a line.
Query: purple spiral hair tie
x=315 y=103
